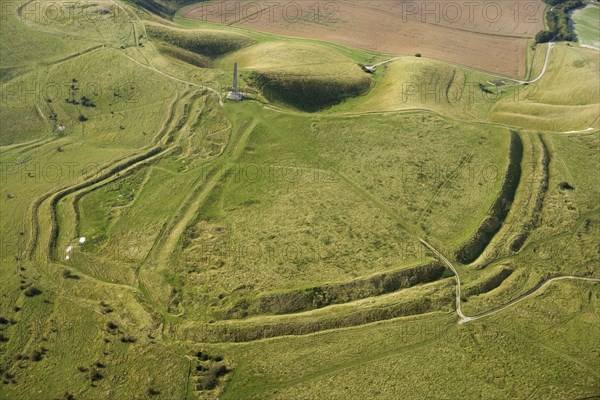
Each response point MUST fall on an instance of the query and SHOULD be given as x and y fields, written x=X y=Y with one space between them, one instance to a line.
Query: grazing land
x=426 y=230
x=586 y=26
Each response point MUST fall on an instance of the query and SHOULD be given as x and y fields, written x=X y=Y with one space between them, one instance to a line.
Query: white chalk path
x=464 y=318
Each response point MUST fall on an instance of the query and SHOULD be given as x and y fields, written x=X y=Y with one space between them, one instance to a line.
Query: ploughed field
x=486 y=35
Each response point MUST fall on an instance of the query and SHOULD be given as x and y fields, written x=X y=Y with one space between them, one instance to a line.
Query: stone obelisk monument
x=235 y=94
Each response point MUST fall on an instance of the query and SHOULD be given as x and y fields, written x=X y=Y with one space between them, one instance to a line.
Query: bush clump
x=208 y=382
x=565 y=186
x=95 y=375
x=32 y=291
x=559 y=21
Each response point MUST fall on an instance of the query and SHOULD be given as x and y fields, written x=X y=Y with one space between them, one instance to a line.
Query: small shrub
x=208 y=382
x=418 y=55
x=36 y=355
x=111 y=326
x=32 y=291
x=82 y=118
x=565 y=186
x=218 y=370
x=3 y=321
x=153 y=392
x=95 y=375
x=87 y=102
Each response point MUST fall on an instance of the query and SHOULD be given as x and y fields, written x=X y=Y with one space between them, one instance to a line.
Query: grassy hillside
x=565 y=99
x=209 y=43
x=307 y=76
x=586 y=26
x=395 y=356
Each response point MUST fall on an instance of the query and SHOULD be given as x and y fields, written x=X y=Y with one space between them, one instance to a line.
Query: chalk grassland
x=565 y=99
x=307 y=76
x=250 y=233
x=417 y=83
x=24 y=35
x=416 y=358
x=496 y=45
x=550 y=228
x=586 y=26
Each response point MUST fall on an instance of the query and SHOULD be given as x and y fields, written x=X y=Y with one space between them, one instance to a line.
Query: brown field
x=487 y=35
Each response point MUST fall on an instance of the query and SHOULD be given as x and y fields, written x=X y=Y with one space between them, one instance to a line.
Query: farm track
x=75 y=55
x=517 y=81
x=528 y=294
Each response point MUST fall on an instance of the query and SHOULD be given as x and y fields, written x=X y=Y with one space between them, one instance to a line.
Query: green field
x=158 y=241
x=587 y=21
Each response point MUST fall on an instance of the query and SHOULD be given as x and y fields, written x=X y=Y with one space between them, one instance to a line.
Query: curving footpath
x=464 y=318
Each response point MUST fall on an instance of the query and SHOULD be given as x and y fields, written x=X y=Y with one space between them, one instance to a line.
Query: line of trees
x=559 y=21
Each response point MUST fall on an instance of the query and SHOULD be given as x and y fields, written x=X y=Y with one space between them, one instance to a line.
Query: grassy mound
x=488 y=282
x=208 y=43
x=436 y=296
x=492 y=223
x=309 y=77
x=412 y=82
x=325 y=295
